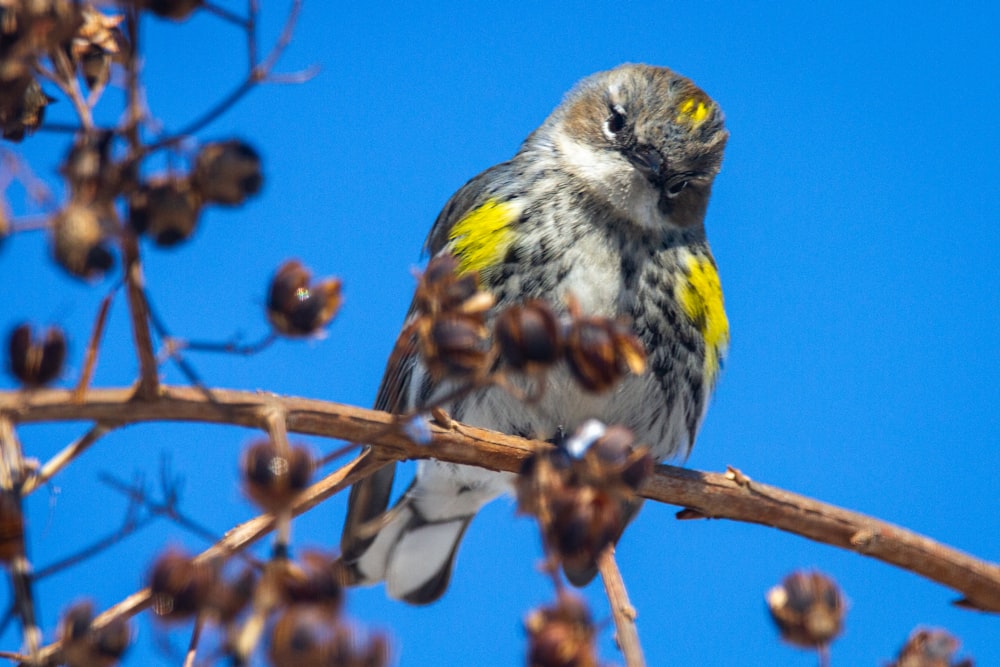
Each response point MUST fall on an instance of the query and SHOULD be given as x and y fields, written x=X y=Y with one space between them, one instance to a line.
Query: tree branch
x=714 y=495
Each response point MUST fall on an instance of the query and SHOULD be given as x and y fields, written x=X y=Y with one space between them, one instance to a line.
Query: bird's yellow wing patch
x=700 y=295
x=481 y=238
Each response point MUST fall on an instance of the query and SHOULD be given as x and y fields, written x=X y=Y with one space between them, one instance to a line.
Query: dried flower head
x=808 y=609
x=581 y=494
x=561 y=635
x=296 y=306
x=36 y=361
x=22 y=107
x=600 y=351
x=80 y=234
x=316 y=578
x=930 y=647
x=179 y=585
x=308 y=635
x=166 y=209
x=448 y=322
x=227 y=172
x=85 y=646
x=272 y=476
x=176 y=10
x=11 y=527
x=528 y=336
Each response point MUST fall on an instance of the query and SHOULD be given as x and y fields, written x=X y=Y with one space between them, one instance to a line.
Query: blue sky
x=854 y=231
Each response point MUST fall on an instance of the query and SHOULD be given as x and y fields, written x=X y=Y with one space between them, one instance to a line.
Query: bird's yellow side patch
x=700 y=295
x=481 y=238
x=692 y=111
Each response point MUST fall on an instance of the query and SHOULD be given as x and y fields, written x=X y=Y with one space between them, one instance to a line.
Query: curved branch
x=723 y=496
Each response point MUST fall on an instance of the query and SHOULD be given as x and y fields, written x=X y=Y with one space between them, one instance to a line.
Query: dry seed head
x=166 y=209
x=455 y=345
x=317 y=578
x=528 y=336
x=22 y=108
x=227 y=172
x=79 y=241
x=808 y=609
x=298 y=307
x=11 y=527
x=179 y=586
x=561 y=635
x=930 y=647
x=36 y=361
x=82 y=646
x=303 y=636
x=601 y=351
x=272 y=477
x=176 y=10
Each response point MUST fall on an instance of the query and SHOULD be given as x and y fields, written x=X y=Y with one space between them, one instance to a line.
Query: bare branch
x=621 y=609
x=712 y=495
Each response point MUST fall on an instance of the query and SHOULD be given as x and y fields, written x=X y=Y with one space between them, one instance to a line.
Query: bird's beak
x=647 y=160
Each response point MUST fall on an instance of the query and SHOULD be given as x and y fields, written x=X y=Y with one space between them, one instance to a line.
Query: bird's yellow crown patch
x=693 y=111
x=481 y=238
x=700 y=295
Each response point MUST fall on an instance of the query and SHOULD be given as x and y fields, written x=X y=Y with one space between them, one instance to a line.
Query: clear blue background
x=854 y=224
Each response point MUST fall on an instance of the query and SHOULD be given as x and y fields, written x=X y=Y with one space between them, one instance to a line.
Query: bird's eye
x=615 y=122
x=677 y=188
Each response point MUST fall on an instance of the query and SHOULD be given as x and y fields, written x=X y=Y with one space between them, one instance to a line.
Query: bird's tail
x=414 y=556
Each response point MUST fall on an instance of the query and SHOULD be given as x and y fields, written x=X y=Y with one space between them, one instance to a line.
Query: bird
x=604 y=206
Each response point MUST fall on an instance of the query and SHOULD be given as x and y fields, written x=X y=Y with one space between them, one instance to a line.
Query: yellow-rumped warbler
x=605 y=202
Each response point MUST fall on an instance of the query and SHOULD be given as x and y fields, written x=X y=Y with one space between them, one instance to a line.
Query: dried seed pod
x=528 y=336
x=808 y=609
x=231 y=596
x=227 y=172
x=443 y=290
x=79 y=241
x=87 y=167
x=36 y=361
x=272 y=477
x=296 y=307
x=585 y=521
x=4 y=224
x=353 y=649
x=23 y=108
x=455 y=345
x=561 y=635
x=180 y=587
x=95 y=65
x=11 y=528
x=82 y=646
x=166 y=209
x=600 y=351
x=303 y=636
x=176 y=10
x=930 y=647
x=319 y=578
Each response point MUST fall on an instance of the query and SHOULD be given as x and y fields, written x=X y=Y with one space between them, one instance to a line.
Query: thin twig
x=134 y=280
x=192 y=650
x=90 y=359
x=713 y=495
x=66 y=456
x=622 y=610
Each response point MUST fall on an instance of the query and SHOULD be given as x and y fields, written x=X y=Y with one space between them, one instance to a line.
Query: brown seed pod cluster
x=175 y=10
x=227 y=172
x=273 y=476
x=180 y=586
x=11 y=527
x=581 y=493
x=297 y=306
x=73 y=35
x=36 y=361
x=808 y=608
x=308 y=636
x=83 y=645
x=598 y=351
x=448 y=324
x=80 y=240
x=561 y=635
x=930 y=647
